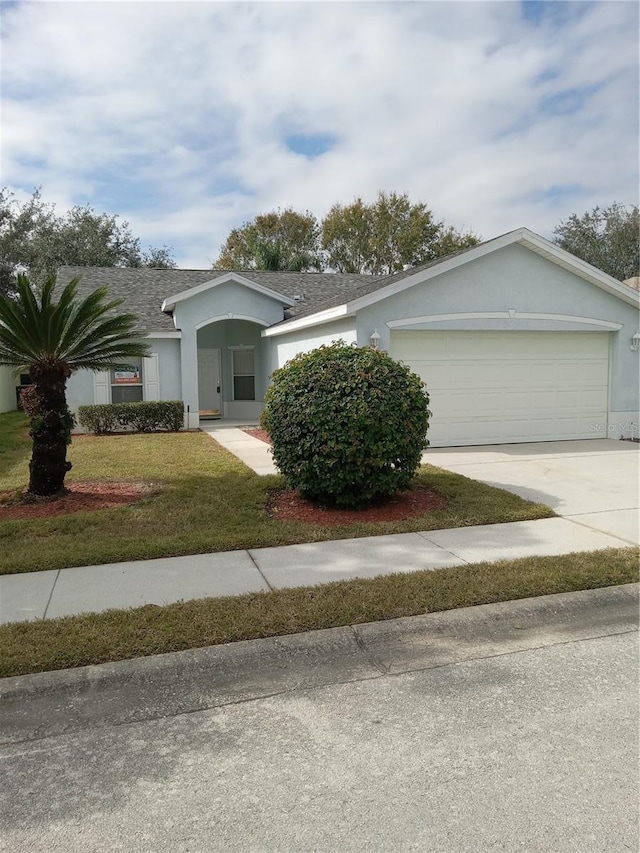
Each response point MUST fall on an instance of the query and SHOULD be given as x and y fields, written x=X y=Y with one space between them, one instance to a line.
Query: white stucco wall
x=80 y=389
x=285 y=347
x=516 y=279
x=80 y=386
x=7 y=390
x=168 y=351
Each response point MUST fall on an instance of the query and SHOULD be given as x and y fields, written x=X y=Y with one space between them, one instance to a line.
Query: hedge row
x=140 y=417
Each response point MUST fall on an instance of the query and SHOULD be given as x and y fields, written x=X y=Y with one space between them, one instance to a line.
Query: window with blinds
x=244 y=380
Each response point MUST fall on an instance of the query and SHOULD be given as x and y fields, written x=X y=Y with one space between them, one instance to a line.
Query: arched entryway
x=231 y=371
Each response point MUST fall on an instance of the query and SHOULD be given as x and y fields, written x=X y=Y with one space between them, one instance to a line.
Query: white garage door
x=501 y=387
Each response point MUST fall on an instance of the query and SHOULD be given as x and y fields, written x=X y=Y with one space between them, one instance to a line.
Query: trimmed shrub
x=152 y=416
x=347 y=425
x=139 y=417
x=101 y=419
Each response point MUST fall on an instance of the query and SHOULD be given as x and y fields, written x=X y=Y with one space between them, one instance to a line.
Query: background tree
x=607 y=237
x=387 y=235
x=270 y=255
x=34 y=239
x=280 y=240
x=347 y=237
x=158 y=258
x=19 y=225
x=49 y=341
x=450 y=240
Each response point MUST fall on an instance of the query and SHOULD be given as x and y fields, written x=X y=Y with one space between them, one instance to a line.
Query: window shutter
x=102 y=387
x=151 y=378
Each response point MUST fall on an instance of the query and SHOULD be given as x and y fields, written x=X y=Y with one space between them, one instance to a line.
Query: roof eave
x=585 y=270
x=522 y=236
x=317 y=319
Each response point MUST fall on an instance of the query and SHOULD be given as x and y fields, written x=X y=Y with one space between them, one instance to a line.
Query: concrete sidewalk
x=255 y=454
x=67 y=592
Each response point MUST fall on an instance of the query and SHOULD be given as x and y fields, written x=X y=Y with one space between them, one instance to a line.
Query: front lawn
x=207 y=501
x=15 y=448
x=50 y=644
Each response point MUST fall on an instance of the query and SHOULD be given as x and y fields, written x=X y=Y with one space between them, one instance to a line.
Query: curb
x=65 y=701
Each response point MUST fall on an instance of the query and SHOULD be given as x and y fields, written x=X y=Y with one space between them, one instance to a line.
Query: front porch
x=231 y=371
x=224 y=363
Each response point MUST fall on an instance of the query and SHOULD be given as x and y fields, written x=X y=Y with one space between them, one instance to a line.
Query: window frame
x=243 y=349
x=140 y=384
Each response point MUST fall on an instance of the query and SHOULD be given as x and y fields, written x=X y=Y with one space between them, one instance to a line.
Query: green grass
x=207 y=500
x=27 y=647
x=15 y=447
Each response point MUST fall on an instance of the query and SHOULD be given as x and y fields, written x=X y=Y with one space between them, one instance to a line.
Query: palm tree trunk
x=51 y=424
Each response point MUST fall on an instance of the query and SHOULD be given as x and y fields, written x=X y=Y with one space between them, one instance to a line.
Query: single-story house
x=516 y=339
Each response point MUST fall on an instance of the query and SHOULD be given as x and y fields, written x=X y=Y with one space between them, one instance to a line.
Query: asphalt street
x=508 y=727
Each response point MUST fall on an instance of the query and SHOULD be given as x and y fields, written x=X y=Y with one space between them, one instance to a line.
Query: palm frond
x=77 y=333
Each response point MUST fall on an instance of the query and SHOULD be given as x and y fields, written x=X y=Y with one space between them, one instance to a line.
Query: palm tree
x=49 y=341
x=270 y=255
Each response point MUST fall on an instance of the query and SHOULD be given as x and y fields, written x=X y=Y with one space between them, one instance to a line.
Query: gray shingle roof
x=318 y=290
x=144 y=290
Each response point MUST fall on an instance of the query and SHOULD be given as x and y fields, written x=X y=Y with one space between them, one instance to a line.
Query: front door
x=209 y=382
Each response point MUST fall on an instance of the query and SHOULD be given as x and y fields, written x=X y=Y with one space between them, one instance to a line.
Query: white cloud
x=175 y=114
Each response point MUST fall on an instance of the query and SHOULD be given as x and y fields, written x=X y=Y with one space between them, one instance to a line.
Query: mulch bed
x=79 y=497
x=262 y=434
x=288 y=505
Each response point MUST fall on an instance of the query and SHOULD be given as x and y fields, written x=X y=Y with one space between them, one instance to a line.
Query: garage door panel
x=517 y=403
x=594 y=399
x=502 y=375
x=539 y=400
x=589 y=371
x=490 y=388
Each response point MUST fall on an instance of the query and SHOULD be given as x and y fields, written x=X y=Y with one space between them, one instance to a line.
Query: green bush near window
x=100 y=419
x=139 y=417
x=347 y=425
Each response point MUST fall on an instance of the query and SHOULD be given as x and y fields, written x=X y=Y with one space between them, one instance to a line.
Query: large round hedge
x=347 y=425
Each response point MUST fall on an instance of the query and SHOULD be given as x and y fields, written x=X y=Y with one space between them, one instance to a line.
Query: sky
x=189 y=118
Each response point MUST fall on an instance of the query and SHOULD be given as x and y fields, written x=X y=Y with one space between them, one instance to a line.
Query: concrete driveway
x=595 y=482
